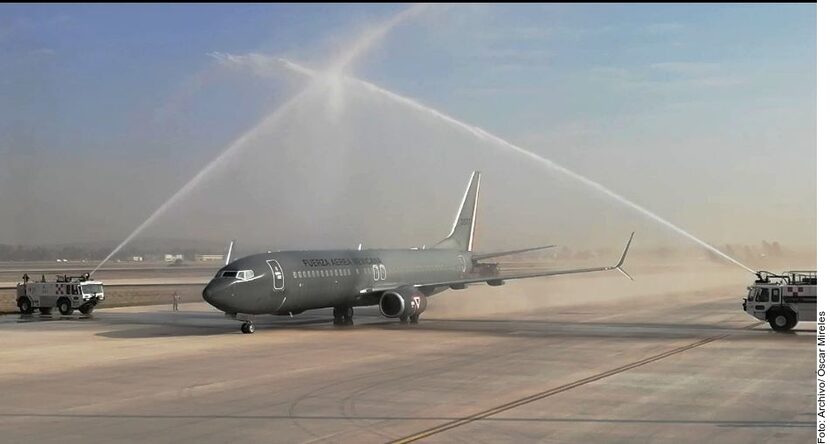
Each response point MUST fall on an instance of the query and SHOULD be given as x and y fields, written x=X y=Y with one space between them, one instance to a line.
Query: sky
x=705 y=114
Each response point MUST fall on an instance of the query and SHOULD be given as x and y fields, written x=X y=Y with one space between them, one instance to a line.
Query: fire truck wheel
x=25 y=305
x=86 y=309
x=45 y=310
x=65 y=307
x=781 y=320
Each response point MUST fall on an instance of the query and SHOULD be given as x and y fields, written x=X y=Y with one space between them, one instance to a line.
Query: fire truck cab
x=66 y=292
x=783 y=300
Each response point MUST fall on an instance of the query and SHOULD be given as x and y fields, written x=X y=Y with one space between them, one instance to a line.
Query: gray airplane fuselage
x=289 y=282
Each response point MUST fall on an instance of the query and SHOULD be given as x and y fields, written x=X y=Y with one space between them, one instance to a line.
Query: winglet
x=230 y=251
x=622 y=258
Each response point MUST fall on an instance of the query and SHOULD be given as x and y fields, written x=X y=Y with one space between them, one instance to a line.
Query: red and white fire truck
x=66 y=292
x=784 y=299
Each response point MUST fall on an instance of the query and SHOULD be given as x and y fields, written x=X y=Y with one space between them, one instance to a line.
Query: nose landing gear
x=248 y=327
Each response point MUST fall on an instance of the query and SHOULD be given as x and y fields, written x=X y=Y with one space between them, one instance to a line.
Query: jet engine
x=402 y=303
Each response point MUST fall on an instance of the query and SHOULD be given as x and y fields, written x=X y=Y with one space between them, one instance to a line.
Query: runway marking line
x=550 y=392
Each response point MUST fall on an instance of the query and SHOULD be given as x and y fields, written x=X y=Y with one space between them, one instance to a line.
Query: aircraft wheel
x=65 y=307
x=248 y=328
x=404 y=320
x=45 y=310
x=25 y=306
x=414 y=319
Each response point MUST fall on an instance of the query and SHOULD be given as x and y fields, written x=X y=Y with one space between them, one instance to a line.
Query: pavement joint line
x=559 y=389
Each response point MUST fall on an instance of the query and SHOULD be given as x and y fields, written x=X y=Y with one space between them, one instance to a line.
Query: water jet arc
x=498 y=141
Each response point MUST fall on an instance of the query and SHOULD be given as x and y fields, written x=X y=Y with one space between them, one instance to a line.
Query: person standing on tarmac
x=176 y=299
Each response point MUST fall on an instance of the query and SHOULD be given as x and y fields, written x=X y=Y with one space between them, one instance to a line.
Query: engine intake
x=402 y=303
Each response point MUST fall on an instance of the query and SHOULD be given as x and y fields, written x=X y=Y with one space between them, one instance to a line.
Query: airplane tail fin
x=230 y=252
x=461 y=236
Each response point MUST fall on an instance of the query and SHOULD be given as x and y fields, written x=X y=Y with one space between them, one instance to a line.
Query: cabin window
x=763 y=296
x=776 y=295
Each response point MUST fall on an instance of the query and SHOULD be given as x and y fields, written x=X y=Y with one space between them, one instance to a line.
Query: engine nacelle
x=402 y=303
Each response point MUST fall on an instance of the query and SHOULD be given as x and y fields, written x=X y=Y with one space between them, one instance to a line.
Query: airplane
x=398 y=281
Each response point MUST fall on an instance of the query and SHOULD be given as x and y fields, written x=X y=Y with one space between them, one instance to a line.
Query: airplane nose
x=216 y=293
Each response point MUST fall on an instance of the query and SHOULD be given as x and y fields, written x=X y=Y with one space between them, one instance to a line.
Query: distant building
x=173 y=257
x=138 y=258
x=210 y=257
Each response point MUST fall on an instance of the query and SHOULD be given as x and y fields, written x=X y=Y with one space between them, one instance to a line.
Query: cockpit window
x=241 y=274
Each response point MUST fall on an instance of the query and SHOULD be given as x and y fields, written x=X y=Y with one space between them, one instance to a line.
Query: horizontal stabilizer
x=477 y=257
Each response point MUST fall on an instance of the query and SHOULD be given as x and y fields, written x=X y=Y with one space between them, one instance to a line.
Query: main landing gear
x=411 y=319
x=248 y=327
x=343 y=316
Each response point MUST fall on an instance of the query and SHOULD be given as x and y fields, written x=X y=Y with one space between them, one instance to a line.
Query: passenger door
x=276 y=273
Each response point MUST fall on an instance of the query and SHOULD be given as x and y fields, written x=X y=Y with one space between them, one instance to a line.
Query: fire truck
x=66 y=292
x=784 y=299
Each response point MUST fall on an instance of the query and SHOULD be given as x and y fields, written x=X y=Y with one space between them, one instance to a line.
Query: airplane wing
x=498 y=279
x=477 y=257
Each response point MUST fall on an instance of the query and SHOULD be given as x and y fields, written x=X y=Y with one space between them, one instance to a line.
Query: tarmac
x=691 y=367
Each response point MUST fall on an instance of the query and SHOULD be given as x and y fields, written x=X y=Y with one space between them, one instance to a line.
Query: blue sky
x=682 y=92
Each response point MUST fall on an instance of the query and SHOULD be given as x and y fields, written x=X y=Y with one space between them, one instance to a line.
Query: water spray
x=498 y=141
x=365 y=42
